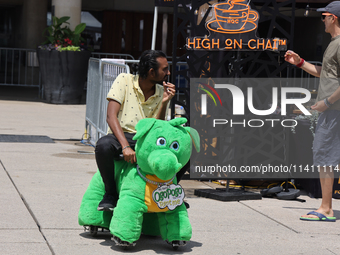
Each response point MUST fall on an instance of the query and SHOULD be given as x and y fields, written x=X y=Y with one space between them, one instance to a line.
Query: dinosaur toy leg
x=88 y=213
x=126 y=223
x=175 y=225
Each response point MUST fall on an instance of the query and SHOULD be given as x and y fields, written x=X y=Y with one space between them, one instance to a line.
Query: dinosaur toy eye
x=161 y=141
x=174 y=146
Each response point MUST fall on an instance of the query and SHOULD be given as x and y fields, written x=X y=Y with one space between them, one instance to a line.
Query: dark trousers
x=109 y=149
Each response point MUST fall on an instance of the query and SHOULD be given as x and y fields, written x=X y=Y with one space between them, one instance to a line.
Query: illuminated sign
x=168 y=3
x=233 y=27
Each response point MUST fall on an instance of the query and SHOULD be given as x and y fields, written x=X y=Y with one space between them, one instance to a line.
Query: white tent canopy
x=90 y=20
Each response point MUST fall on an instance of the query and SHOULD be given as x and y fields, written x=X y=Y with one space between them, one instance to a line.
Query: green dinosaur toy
x=150 y=201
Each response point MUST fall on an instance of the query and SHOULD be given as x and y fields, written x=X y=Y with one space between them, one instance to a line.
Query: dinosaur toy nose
x=164 y=164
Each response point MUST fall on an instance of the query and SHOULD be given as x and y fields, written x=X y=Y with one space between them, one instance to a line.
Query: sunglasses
x=324 y=15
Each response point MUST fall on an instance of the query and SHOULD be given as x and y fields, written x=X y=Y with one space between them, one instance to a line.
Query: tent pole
x=154 y=28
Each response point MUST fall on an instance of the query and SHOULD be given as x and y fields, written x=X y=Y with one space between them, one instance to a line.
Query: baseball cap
x=333 y=7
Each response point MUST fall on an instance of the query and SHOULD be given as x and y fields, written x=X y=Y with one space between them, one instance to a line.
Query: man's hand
x=319 y=106
x=129 y=155
x=292 y=58
x=169 y=91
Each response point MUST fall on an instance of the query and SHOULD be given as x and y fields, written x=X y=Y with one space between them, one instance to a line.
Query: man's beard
x=161 y=81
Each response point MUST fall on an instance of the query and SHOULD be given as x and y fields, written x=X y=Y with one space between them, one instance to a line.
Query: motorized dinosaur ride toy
x=150 y=201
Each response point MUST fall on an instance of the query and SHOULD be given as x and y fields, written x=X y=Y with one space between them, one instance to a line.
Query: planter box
x=63 y=75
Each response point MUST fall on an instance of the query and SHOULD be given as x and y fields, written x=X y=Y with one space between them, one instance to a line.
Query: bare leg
x=326 y=181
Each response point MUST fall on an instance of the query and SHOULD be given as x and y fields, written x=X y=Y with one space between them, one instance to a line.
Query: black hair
x=148 y=60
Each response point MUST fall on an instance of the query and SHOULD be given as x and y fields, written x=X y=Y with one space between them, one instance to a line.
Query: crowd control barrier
x=111 y=55
x=19 y=67
x=303 y=79
x=101 y=75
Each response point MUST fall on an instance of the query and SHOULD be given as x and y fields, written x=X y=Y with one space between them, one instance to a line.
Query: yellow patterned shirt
x=126 y=91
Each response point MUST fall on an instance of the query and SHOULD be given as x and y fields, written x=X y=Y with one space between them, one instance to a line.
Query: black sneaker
x=107 y=204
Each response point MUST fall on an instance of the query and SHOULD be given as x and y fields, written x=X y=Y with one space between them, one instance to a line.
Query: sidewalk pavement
x=45 y=170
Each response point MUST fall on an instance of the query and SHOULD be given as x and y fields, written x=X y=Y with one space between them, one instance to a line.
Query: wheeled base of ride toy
x=93 y=230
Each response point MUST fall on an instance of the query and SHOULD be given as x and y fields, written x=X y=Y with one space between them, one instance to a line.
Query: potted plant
x=63 y=61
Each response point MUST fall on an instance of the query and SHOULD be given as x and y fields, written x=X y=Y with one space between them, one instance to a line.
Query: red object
x=301 y=63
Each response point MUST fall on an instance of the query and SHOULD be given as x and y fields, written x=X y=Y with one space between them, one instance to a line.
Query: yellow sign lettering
x=228 y=44
x=191 y=44
x=206 y=45
x=239 y=44
x=269 y=45
x=283 y=42
x=249 y=45
x=275 y=44
x=198 y=43
x=260 y=43
x=217 y=44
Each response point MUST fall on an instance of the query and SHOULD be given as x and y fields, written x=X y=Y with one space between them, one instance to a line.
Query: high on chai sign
x=233 y=26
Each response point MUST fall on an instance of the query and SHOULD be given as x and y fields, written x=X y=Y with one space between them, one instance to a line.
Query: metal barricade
x=19 y=67
x=101 y=75
x=304 y=79
x=92 y=102
x=111 y=55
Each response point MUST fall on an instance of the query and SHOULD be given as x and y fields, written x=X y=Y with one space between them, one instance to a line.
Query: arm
x=320 y=105
x=112 y=120
x=168 y=94
x=294 y=59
